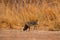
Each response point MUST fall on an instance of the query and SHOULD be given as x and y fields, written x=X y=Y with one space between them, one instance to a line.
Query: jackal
x=29 y=24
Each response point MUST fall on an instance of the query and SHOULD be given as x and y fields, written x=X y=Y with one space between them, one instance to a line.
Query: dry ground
x=31 y=35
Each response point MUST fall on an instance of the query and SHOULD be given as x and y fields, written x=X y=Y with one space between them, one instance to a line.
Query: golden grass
x=16 y=14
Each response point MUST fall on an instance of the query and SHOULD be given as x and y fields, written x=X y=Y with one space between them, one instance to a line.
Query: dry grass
x=16 y=12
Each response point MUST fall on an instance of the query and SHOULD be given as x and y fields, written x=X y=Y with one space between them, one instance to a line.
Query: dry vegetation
x=14 y=13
